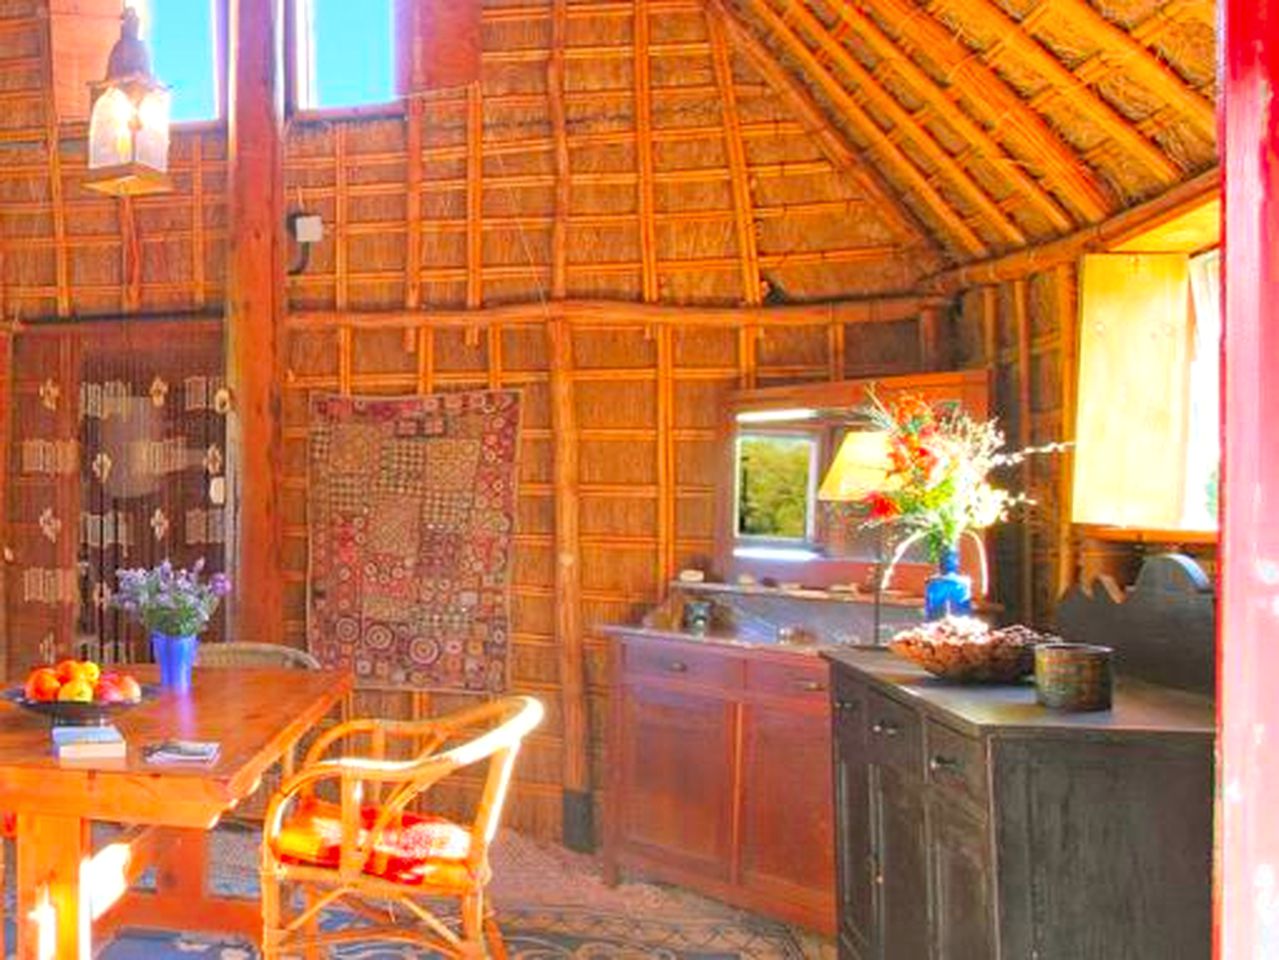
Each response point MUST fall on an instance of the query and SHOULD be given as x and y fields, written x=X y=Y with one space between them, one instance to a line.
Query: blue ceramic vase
x=175 y=657
x=949 y=592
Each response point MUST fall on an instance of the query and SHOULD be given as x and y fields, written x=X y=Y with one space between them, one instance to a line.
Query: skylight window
x=346 y=53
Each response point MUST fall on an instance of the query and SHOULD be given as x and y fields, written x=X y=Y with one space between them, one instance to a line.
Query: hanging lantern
x=129 y=122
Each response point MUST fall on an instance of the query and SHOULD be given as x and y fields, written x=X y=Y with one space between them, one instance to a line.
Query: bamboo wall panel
x=648 y=399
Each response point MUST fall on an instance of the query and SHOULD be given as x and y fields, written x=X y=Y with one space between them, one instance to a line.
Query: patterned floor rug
x=552 y=905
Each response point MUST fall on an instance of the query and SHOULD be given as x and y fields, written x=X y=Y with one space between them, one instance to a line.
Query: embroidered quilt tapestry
x=412 y=514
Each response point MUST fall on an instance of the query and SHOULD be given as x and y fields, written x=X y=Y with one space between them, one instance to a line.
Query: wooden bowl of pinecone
x=967 y=650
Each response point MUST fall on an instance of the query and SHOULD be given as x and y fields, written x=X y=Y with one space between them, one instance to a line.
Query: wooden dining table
x=68 y=893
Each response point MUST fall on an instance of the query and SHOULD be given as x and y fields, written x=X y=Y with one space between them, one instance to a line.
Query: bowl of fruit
x=968 y=650
x=78 y=693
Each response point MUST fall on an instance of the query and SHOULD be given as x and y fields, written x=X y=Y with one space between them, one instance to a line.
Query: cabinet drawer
x=956 y=763
x=893 y=734
x=681 y=661
x=806 y=679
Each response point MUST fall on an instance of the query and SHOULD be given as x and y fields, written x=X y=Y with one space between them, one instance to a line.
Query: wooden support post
x=130 y=258
x=1021 y=320
x=990 y=325
x=930 y=339
x=1068 y=330
x=255 y=305
x=1247 y=901
x=579 y=811
x=6 y=408
x=340 y=196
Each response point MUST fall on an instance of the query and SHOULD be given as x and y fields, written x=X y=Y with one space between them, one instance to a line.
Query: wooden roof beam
x=873 y=90
x=982 y=144
x=1121 y=52
x=1062 y=83
x=735 y=146
x=1001 y=108
x=911 y=176
x=845 y=158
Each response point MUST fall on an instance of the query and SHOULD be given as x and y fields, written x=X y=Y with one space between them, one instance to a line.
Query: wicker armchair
x=368 y=845
x=254 y=655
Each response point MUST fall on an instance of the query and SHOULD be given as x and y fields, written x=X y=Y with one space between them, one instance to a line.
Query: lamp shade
x=859 y=469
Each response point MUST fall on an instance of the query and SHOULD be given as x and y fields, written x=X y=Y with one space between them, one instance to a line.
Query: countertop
x=717 y=638
x=1139 y=708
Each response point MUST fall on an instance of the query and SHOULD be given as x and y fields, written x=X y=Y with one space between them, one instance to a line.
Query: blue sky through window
x=354 y=52
x=181 y=37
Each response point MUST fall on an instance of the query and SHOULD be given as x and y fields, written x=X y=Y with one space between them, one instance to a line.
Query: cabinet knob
x=813 y=686
x=885 y=728
x=677 y=666
x=941 y=764
x=845 y=706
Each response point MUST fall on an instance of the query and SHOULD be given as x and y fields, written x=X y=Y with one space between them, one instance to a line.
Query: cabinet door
x=852 y=815
x=964 y=926
x=787 y=834
x=676 y=777
x=901 y=877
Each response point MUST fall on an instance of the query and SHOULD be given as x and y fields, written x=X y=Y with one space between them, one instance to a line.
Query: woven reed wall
x=648 y=399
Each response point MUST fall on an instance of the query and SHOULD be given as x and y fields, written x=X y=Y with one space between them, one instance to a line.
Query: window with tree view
x=776 y=475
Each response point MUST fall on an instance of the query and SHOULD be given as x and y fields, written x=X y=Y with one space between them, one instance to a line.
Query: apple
x=42 y=685
x=108 y=689
x=77 y=691
x=130 y=689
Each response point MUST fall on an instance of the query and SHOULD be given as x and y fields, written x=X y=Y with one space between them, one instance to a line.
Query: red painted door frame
x=1247 y=875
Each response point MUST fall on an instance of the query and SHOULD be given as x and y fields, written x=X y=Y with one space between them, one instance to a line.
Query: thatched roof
x=657 y=150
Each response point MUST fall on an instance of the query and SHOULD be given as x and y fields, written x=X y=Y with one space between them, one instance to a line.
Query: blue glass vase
x=949 y=591
x=175 y=657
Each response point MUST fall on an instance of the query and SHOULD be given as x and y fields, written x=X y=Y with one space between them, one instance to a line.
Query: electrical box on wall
x=308 y=228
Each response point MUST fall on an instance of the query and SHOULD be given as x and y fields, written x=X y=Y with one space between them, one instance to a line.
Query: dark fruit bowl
x=72 y=713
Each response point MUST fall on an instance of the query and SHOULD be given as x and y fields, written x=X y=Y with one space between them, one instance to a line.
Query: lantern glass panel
x=111 y=130
x=152 y=142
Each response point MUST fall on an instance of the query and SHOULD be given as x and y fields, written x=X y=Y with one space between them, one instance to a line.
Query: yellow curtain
x=1133 y=406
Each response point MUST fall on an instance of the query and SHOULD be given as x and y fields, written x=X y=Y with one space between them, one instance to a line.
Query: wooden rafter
x=1062 y=83
x=1005 y=113
x=911 y=177
x=474 y=196
x=906 y=126
x=559 y=128
x=833 y=144
x=735 y=147
x=939 y=102
x=1119 y=51
x=644 y=154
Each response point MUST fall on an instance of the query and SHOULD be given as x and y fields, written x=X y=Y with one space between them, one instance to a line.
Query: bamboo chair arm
x=433 y=731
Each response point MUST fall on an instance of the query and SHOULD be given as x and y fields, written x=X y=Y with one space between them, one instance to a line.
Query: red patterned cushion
x=418 y=850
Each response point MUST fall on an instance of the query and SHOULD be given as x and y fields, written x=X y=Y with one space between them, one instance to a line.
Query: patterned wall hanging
x=117 y=439
x=412 y=515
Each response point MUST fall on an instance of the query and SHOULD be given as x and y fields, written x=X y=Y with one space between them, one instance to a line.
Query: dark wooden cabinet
x=974 y=825
x=720 y=774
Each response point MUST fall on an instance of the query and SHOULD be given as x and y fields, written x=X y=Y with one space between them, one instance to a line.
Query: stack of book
x=88 y=743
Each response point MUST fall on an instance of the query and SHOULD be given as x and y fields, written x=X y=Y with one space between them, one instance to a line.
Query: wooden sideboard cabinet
x=973 y=824
x=719 y=772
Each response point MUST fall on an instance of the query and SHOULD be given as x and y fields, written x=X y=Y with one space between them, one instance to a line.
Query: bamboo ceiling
x=676 y=151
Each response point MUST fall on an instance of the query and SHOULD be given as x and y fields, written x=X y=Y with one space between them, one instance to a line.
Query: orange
x=42 y=684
